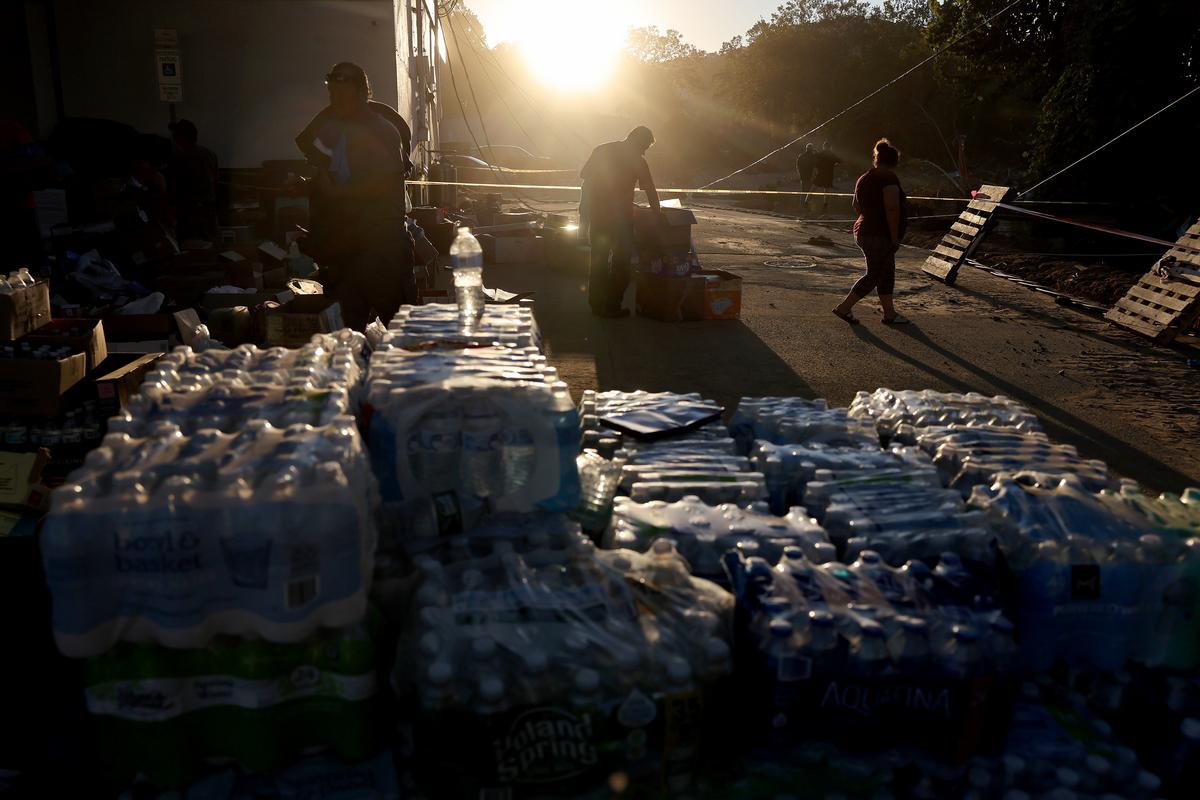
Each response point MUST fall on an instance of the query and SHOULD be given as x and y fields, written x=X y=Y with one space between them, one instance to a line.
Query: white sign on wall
x=170 y=82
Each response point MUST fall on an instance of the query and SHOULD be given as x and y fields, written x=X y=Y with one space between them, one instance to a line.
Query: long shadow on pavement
x=723 y=360
x=1091 y=441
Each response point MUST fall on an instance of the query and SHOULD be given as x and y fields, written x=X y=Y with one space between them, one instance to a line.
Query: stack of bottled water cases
x=226 y=389
x=1100 y=585
x=439 y=324
x=795 y=420
x=1172 y=514
x=894 y=411
x=899 y=510
x=456 y=434
x=541 y=665
x=968 y=456
x=214 y=567
x=867 y=653
x=1176 y=518
x=788 y=468
x=701 y=461
x=703 y=534
x=973 y=438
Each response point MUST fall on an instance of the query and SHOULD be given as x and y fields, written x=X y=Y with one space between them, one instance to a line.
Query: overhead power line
x=1110 y=141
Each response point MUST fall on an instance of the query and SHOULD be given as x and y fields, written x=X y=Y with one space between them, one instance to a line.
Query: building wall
x=252 y=70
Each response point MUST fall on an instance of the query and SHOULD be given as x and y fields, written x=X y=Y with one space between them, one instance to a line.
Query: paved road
x=1109 y=393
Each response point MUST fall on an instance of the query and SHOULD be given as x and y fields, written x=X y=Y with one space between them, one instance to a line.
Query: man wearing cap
x=366 y=253
x=192 y=184
x=606 y=210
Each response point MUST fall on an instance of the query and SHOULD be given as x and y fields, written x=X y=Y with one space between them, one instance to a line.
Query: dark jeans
x=376 y=277
x=612 y=248
x=881 y=265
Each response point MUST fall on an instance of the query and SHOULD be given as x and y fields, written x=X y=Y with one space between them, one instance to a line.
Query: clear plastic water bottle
x=466 y=258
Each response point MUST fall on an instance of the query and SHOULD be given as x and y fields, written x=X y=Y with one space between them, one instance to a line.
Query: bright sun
x=571 y=45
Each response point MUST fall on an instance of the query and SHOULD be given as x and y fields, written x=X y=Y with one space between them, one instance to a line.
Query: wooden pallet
x=966 y=234
x=1164 y=307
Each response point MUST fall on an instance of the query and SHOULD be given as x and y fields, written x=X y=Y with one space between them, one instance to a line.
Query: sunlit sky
x=704 y=23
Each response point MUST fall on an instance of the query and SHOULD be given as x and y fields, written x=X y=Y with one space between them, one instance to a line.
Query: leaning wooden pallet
x=1165 y=302
x=966 y=233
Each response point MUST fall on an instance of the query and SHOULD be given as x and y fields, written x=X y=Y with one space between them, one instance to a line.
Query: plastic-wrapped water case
x=969 y=456
x=871 y=654
x=1098 y=585
x=920 y=409
x=164 y=714
x=794 y=420
x=544 y=666
x=225 y=389
x=703 y=533
x=175 y=539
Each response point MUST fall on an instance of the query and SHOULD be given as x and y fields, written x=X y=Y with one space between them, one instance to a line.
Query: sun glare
x=572 y=45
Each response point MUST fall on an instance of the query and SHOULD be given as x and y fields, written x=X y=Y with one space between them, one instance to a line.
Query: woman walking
x=882 y=218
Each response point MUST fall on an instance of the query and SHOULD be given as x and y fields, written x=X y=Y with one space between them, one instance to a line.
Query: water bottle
x=466 y=258
x=909 y=646
x=482 y=462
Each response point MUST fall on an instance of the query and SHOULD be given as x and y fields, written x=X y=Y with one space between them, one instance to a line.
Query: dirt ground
x=1108 y=392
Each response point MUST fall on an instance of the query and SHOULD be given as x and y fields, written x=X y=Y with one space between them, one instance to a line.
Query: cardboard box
x=188 y=289
x=427 y=216
x=713 y=294
x=81 y=335
x=213 y=300
x=520 y=250
x=661 y=297
x=293 y=324
x=244 y=274
x=20 y=473
x=272 y=255
x=673 y=237
x=710 y=294
x=121 y=375
x=137 y=327
x=25 y=310
x=275 y=279
x=37 y=386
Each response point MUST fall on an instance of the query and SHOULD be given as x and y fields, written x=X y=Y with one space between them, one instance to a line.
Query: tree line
x=1012 y=100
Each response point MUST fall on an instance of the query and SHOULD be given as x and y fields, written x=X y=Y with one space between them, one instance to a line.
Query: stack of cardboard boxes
x=58 y=385
x=671 y=285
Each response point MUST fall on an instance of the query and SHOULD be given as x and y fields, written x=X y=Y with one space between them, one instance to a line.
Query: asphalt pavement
x=1108 y=392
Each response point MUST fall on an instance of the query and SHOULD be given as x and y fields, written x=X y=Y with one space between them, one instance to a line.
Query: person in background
x=878 y=231
x=806 y=162
x=823 y=164
x=611 y=174
x=306 y=140
x=192 y=184
x=360 y=194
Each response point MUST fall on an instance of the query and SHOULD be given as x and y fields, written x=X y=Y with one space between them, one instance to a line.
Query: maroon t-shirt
x=868 y=194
